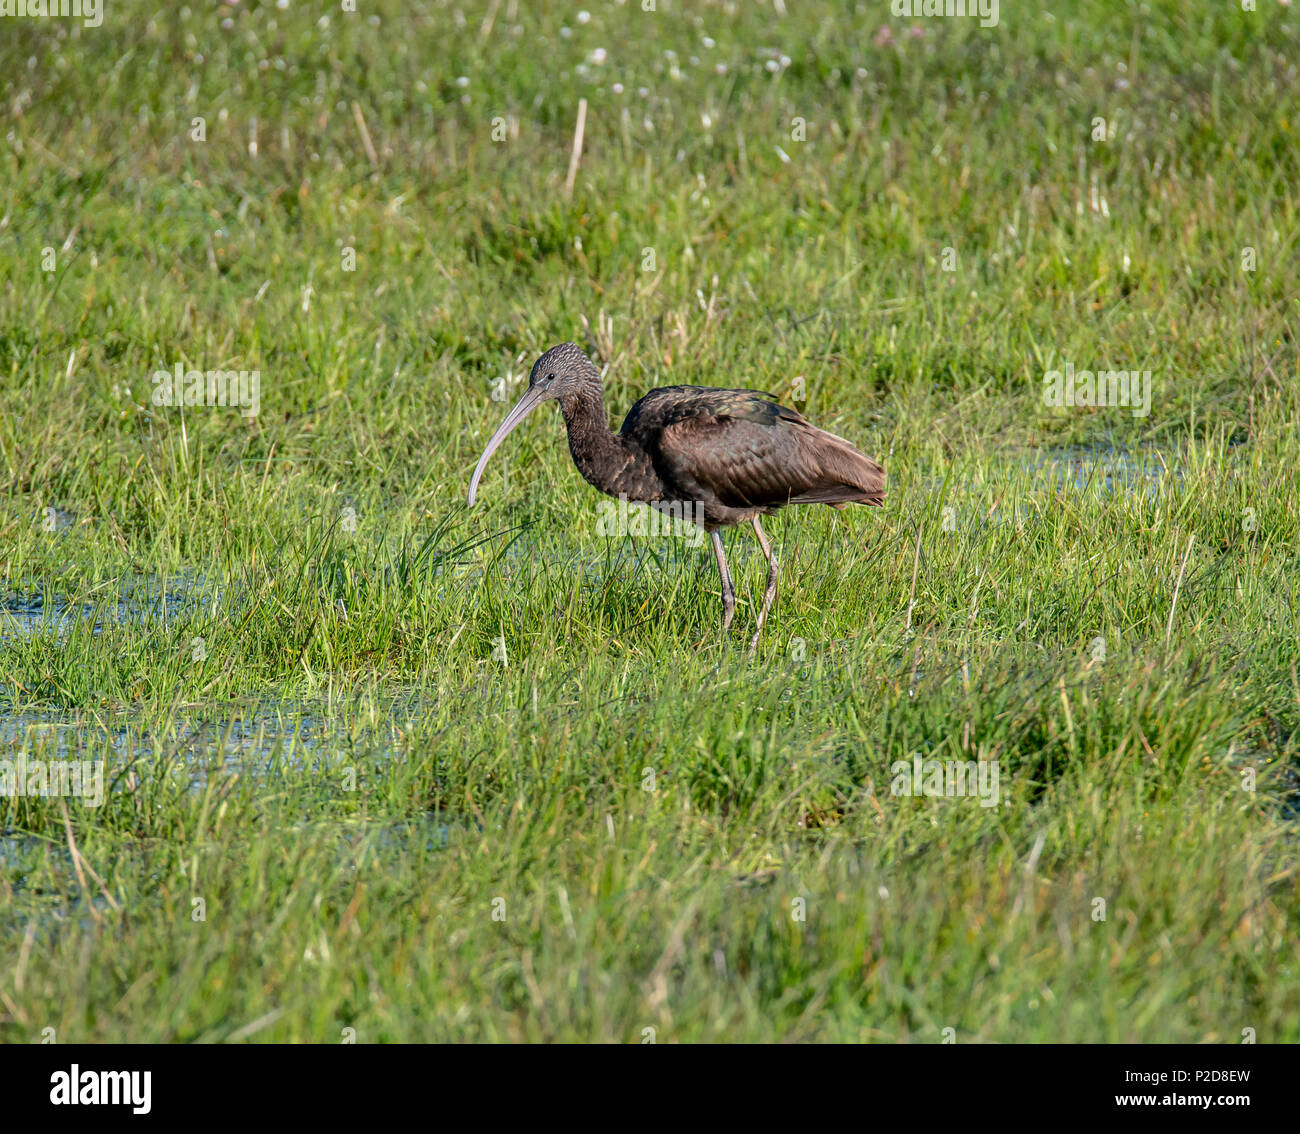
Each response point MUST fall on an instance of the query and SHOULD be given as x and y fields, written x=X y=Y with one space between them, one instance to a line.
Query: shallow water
x=25 y=612
x=258 y=739
x=1108 y=469
x=249 y=739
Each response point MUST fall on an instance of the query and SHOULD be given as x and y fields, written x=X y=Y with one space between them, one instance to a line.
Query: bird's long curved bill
x=523 y=407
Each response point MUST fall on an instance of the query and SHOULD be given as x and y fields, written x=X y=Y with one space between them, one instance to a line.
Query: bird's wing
x=748 y=451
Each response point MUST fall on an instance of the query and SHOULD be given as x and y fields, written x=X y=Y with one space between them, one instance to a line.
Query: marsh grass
x=355 y=721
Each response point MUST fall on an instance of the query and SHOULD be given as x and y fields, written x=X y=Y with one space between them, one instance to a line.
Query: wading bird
x=719 y=456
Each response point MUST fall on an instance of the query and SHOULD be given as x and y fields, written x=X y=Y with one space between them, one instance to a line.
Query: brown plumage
x=727 y=455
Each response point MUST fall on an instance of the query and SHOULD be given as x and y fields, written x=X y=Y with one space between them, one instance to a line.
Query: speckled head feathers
x=564 y=368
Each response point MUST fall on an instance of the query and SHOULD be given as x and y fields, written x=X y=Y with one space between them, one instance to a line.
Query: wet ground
x=257 y=739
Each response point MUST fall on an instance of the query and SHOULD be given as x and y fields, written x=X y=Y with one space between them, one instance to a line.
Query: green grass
x=487 y=775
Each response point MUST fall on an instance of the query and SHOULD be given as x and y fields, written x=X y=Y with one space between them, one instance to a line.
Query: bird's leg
x=770 y=593
x=728 y=591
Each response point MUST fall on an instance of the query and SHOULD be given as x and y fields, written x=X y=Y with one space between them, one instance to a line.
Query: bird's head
x=561 y=372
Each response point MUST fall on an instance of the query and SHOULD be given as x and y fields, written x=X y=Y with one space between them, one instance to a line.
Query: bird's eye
x=549 y=377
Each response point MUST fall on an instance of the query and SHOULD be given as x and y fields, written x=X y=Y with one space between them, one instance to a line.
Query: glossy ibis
x=722 y=456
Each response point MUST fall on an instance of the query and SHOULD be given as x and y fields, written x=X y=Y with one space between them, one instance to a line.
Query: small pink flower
x=884 y=37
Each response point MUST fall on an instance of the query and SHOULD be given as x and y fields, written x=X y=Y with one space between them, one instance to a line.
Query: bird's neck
x=596 y=450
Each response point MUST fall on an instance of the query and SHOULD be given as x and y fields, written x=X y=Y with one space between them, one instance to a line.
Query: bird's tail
x=846 y=475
